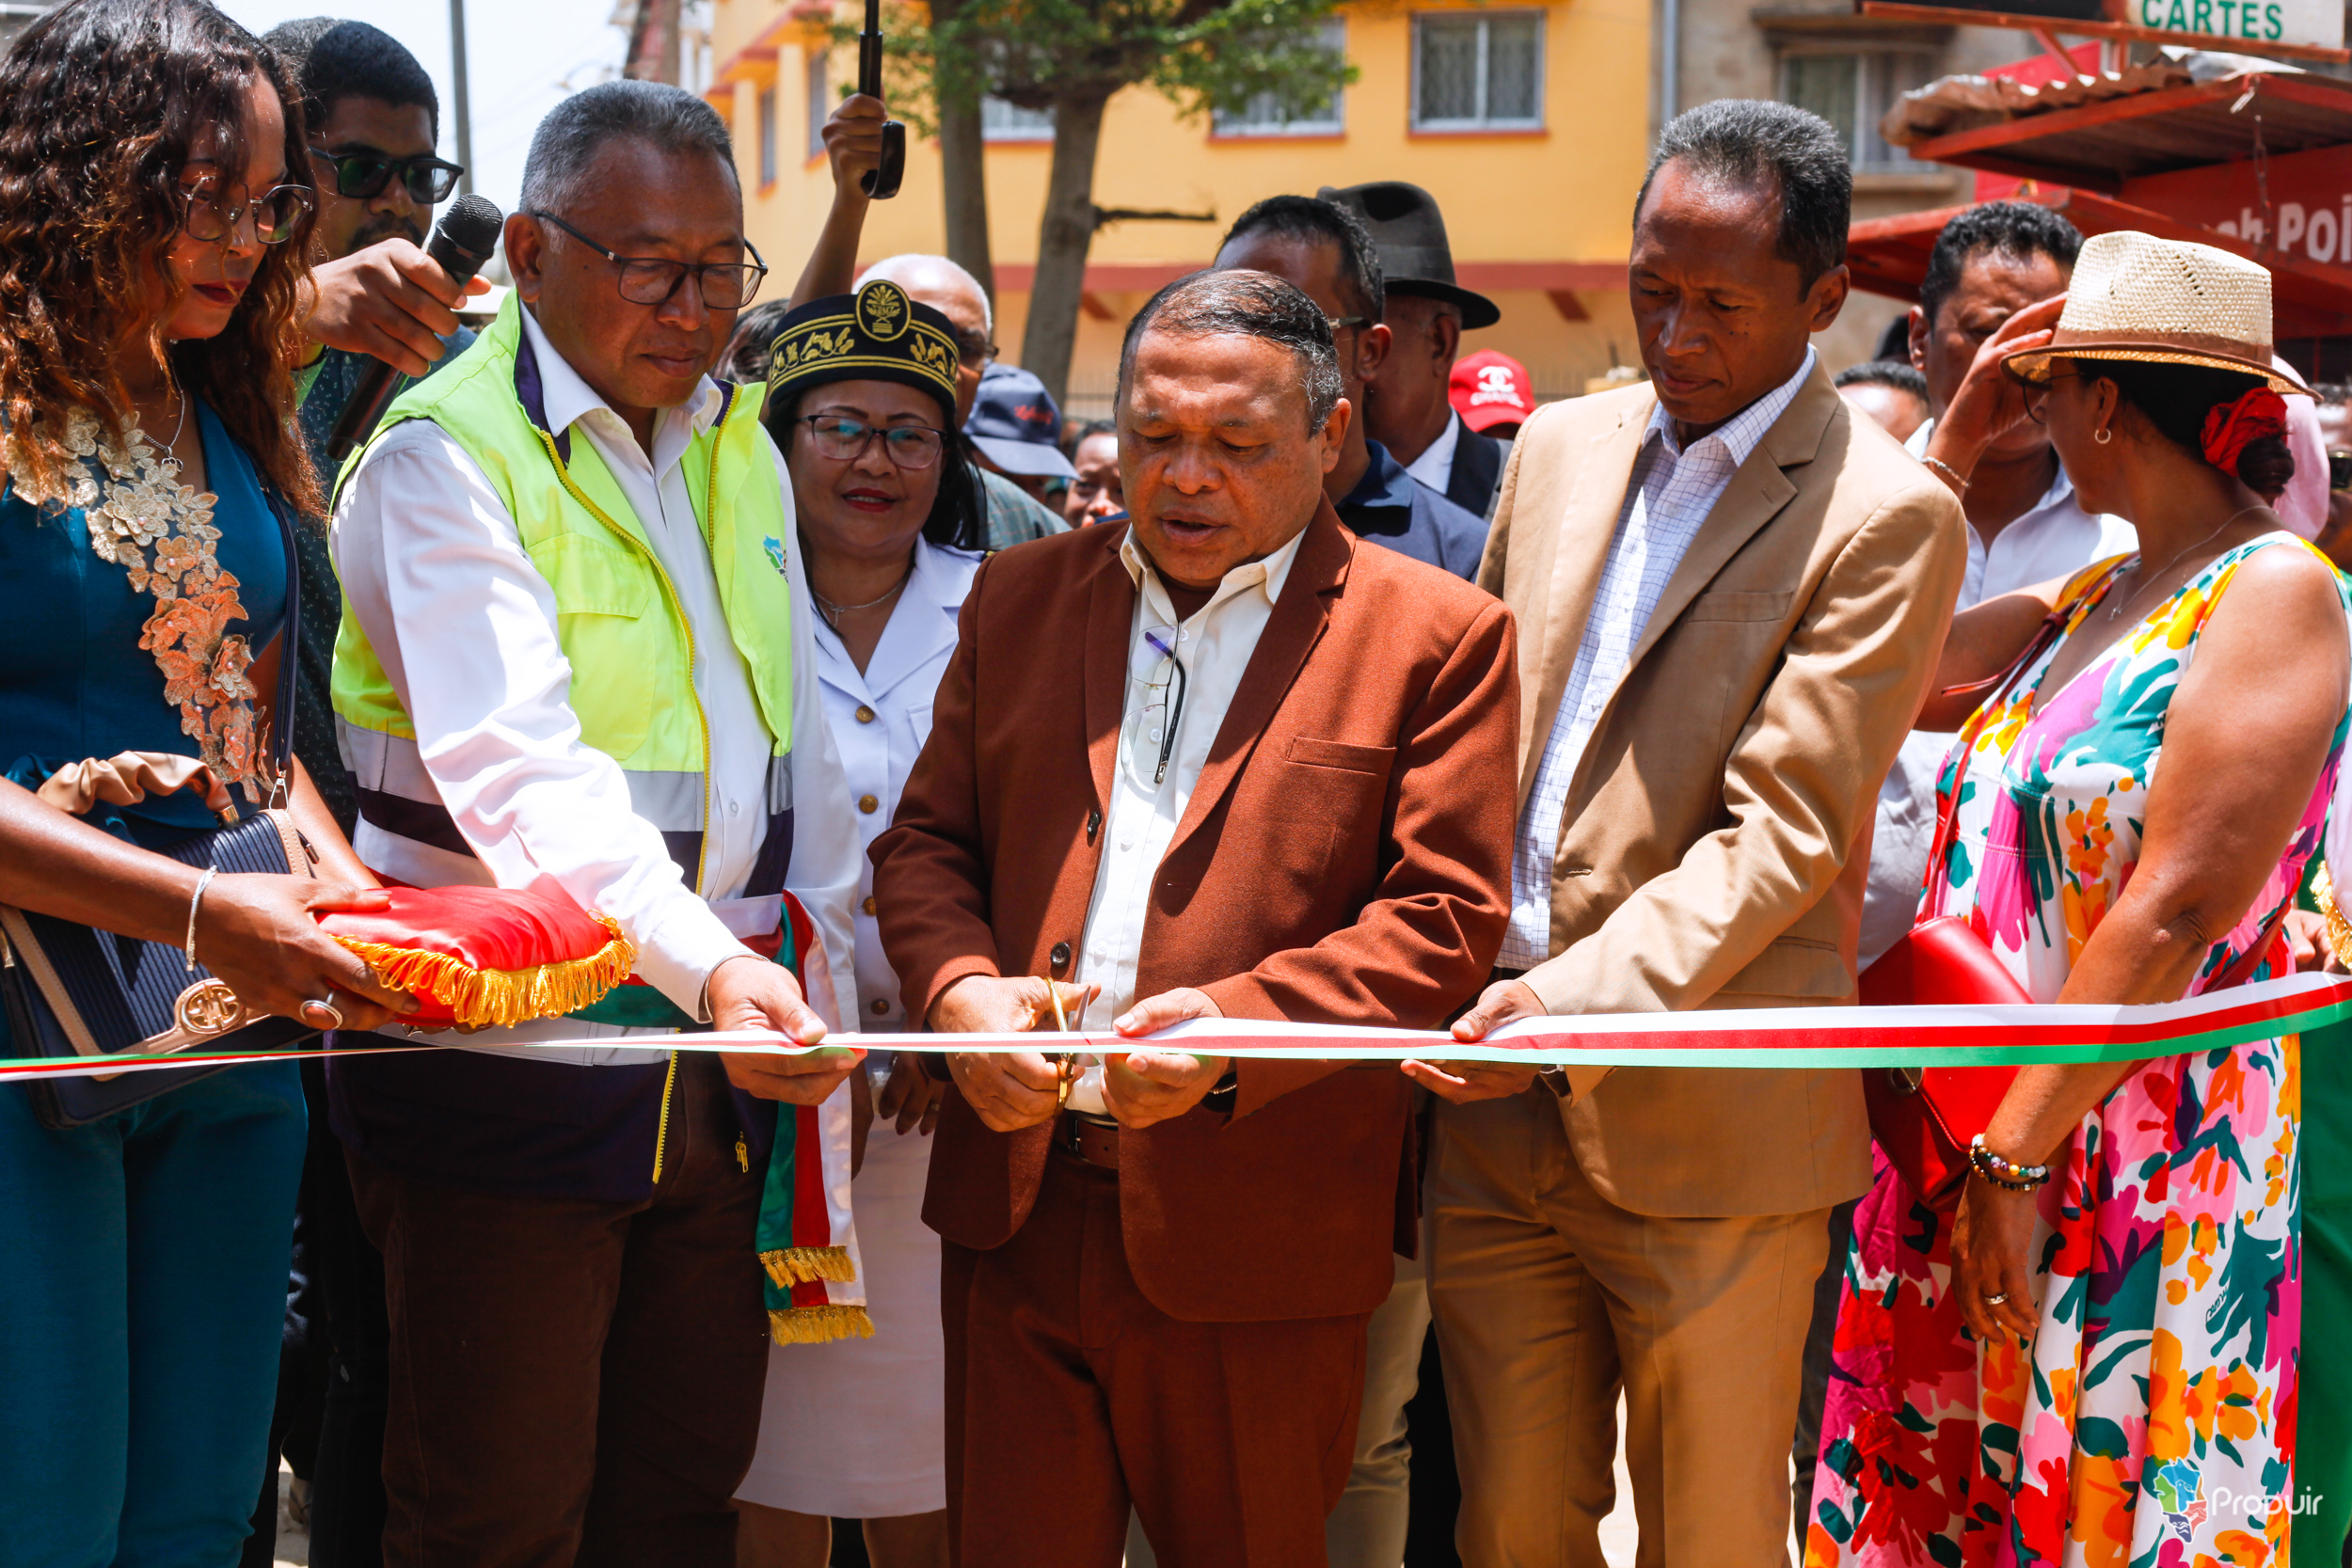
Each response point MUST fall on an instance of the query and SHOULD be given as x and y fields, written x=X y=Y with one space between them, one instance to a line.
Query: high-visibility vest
x=618 y=617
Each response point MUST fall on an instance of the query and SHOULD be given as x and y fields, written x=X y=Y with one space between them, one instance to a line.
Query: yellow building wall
x=1530 y=215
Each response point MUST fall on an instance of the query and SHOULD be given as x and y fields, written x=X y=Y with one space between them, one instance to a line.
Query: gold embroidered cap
x=876 y=334
x=2135 y=296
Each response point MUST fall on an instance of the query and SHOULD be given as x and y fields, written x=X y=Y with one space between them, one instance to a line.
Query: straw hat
x=2168 y=301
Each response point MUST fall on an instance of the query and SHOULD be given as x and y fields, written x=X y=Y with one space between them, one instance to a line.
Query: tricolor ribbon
x=1765 y=1038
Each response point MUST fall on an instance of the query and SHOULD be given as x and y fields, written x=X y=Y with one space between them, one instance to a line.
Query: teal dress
x=142 y=1256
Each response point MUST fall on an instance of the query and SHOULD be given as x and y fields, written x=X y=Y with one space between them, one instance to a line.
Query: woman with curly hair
x=153 y=201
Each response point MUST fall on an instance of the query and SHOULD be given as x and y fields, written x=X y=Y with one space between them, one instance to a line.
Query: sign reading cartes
x=2207 y=23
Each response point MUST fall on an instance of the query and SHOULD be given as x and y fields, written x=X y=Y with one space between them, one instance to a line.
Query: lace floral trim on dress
x=142 y=518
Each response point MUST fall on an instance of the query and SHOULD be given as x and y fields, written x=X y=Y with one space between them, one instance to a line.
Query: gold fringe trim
x=2338 y=928
x=801 y=1265
x=816 y=1326
x=483 y=998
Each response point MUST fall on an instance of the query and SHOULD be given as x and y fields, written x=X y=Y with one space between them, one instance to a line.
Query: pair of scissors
x=1065 y=1063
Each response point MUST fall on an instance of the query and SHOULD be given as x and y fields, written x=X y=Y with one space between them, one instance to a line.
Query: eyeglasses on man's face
x=652 y=279
x=209 y=216
x=362 y=173
x=973 y=350
x=841 y=439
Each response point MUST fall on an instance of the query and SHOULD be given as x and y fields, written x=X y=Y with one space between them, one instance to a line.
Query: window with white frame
x=1003 y=122
x=819 y=102
x=767 y=136
x=1265 y=115
x=1853 y=88
x=1478 y=70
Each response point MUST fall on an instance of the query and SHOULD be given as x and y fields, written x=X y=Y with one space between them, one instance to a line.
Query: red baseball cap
x=1490 y=389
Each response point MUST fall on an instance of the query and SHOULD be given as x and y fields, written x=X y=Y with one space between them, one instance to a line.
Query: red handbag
x=1924 y=1118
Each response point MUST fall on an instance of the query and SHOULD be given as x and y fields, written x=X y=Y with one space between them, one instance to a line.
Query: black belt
x=1094 y=1141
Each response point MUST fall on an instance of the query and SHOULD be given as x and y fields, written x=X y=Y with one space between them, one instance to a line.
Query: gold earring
x=2103 y=436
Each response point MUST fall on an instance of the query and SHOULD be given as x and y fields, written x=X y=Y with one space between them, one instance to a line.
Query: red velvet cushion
x=482 y=956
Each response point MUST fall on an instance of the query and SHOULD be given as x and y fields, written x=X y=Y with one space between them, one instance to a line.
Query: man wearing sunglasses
x=570 y=658
x=373 y=120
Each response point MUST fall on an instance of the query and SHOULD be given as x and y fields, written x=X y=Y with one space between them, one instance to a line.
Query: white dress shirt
x=2055 y=538
x=880 y=719
x=1435 y=465
x=1673 y=491
x=465 y=628
x=1214 y=645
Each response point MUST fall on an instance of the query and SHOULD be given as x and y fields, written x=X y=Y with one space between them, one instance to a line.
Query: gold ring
x=1996 y=1298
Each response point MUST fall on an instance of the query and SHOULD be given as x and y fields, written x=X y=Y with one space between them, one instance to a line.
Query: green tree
x=1070 y=57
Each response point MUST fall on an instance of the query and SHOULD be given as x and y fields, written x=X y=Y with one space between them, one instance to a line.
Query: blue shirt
x=74 y=682
x=1390 y=507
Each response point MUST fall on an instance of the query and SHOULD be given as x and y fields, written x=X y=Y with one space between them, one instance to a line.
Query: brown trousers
x=1071 y=1398
x=573 y=1382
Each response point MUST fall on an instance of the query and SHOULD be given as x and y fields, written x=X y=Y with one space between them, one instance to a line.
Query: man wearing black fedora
x=1426 y=313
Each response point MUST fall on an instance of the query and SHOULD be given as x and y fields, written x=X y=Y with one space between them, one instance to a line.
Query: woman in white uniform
x=861 y=402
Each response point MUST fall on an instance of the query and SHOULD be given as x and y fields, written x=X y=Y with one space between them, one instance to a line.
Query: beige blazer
x=1717 y=830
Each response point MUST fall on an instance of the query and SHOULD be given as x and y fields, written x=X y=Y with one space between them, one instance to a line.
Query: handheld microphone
x=462 y=243
x=880 y=181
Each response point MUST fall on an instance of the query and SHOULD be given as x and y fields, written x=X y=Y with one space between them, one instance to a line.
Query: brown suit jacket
x=1716 y=831
x=1343 y=859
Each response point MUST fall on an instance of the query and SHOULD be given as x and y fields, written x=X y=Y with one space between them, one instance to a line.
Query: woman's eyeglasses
x=841 y=439
x=652 y=279
x=363 y=175
x=2037 y=394
x=276 y=213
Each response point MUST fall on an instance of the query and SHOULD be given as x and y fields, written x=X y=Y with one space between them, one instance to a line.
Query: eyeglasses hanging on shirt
x=1152 y=722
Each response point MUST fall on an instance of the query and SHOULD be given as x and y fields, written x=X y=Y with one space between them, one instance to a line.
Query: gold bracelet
x=1949 y=472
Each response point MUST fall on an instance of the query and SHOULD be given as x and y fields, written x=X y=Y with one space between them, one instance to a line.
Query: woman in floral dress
x=2101 y=1369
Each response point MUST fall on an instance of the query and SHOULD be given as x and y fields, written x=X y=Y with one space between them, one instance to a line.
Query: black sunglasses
x=364 y=174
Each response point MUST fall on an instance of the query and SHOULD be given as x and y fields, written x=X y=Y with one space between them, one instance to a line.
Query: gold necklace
x=2116 y=609
x=833 y=613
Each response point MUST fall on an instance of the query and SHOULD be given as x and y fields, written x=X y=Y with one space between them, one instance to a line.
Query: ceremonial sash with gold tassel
x=807 y=1240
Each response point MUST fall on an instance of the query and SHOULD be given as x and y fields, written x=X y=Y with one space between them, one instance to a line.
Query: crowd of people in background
x=1330 y=679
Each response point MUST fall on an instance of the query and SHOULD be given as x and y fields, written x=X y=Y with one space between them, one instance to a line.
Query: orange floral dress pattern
x=2150 y=1422
x=161 y=532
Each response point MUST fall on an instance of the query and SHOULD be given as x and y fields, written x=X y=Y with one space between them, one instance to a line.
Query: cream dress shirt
x=1214 y=645
x=466 y=626
x=1667 y=501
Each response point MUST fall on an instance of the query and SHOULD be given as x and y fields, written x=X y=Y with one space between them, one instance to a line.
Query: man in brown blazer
x=1730 y=594
x=1226 y=761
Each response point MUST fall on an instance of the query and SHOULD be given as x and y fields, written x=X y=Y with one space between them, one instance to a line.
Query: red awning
x=1889 y=256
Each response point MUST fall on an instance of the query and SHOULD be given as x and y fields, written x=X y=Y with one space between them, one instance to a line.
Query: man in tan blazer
x=1730 y=594
x=1226 y=760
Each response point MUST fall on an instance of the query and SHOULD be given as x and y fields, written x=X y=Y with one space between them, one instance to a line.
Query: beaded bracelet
x=2004 y=1172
